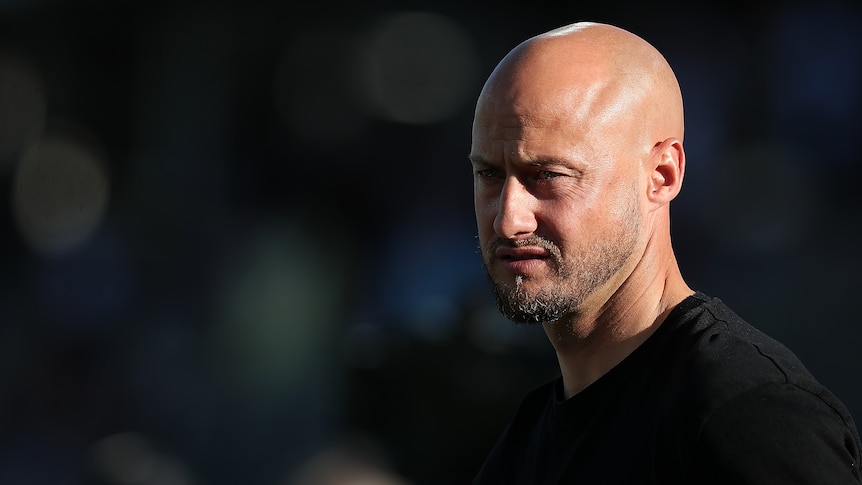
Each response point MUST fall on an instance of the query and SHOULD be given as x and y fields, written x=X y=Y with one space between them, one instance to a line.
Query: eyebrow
x=538 y=162
x=477 y=160
x=549 y=161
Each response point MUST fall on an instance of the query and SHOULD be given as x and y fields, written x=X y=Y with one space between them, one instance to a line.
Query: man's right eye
x=488 y=173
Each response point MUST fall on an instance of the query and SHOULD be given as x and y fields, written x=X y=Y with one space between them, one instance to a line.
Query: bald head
x=577 y=153
x=596 y=75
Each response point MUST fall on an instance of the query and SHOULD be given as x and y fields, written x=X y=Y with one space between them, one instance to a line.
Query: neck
x=593 y=342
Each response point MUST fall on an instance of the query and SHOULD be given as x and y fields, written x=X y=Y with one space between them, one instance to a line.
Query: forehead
x=510 y=128
x=590 y=120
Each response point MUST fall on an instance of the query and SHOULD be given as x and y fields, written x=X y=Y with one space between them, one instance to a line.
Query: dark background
x=225 y=259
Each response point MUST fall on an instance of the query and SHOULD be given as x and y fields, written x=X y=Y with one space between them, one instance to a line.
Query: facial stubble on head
x=572 y=279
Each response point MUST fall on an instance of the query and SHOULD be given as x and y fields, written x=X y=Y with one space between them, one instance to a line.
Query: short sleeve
x=777 y=433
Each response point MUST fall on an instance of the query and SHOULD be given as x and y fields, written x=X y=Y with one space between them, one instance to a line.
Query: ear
x=666 y=168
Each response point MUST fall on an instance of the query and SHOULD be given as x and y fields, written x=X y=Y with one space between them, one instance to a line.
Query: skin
x=577 y=153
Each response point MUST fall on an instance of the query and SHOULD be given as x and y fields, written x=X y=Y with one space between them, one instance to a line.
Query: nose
x=515 y=211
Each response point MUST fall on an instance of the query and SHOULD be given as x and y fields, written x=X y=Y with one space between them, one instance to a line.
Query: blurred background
x=238 y=240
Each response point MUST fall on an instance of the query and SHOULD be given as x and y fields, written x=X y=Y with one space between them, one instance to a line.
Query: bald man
x=577 y=151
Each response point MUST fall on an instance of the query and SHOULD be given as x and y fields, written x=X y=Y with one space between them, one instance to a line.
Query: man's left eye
x=546 y=175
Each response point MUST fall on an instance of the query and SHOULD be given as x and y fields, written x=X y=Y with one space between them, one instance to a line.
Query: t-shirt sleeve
x=777 y=433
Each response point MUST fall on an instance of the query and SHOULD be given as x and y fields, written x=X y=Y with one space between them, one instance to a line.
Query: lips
x=522 y=257
x=521 y=254
x=521 y=260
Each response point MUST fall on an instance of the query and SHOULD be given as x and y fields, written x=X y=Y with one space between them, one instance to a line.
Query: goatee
x=516 y=304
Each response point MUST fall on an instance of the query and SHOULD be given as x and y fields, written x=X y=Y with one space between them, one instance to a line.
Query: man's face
x=557 y=208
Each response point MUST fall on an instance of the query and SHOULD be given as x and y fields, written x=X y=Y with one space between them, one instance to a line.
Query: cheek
x=574 y=224
x=486 y=211
x=484 y=225
x=617 y=207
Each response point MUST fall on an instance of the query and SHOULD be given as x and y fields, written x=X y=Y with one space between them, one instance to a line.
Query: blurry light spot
x=346 y=465
x=22 y=107
x=60 y=194
x=420 y=68
x=130 y=459
x=315 y=89
x=279 y=312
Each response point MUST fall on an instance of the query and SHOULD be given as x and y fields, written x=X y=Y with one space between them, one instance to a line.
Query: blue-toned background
x=238 y=241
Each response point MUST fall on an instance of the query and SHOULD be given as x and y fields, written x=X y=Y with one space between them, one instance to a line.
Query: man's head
x=577 y=152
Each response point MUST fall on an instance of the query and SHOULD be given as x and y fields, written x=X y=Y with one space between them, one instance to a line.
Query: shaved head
x=603 y=75
x=577 y=151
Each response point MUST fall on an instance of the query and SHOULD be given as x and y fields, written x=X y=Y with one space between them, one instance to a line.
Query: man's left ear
x=666 y=171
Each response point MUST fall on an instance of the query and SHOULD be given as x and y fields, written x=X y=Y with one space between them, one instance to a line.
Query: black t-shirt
x=706 y=399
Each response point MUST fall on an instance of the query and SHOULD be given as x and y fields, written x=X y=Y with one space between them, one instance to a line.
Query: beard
x=573 y=280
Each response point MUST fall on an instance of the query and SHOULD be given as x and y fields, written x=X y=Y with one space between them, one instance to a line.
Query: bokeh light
x=406 y=67
x=276 y=310
x=23 y=103
x=129 y=458
x=60 y=193
x=222 y=264
x=420 y=67
x=346 y=464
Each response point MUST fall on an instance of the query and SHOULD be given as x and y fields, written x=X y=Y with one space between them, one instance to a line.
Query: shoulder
x=752 y=408
x=777 y=433
x=725 y=355
x=720 y=357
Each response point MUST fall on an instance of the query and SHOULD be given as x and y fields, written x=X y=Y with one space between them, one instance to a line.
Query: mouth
x=521 y=254
x=521 y=260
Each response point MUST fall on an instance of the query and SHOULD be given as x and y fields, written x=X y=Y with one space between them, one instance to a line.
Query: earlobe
x=667 y=168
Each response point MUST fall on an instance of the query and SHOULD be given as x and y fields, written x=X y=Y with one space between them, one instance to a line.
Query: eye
x=488 y=173
x=547 y=175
